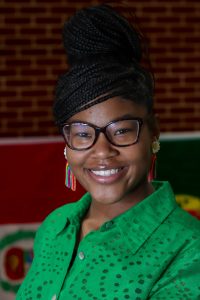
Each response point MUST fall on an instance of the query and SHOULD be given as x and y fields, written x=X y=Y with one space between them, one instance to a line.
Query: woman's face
x=127 y=167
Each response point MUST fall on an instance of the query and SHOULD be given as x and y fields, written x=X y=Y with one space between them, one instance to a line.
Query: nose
x=103 y=149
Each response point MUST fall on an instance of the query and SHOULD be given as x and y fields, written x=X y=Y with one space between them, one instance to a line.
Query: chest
x=104 y=267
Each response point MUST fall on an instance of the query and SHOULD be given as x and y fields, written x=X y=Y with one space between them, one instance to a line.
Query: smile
x=106 y=173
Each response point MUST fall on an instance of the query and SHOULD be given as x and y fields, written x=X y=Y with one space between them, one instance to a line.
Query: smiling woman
x=126 y=238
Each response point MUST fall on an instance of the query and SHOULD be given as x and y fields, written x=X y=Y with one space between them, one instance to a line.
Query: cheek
x=140 y=157
x=142 y=150
x=75 y=161
x=144 y=146
x=146 y=155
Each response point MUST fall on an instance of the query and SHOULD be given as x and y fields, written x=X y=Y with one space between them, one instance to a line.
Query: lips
x=107 y=175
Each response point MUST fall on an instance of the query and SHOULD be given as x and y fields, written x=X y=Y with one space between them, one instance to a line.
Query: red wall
x=33 y=180
x=32 y=56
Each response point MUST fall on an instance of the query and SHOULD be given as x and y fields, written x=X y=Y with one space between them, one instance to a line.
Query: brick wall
x=32 y=56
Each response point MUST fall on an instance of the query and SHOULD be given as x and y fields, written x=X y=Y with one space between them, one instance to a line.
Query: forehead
x=109 y=110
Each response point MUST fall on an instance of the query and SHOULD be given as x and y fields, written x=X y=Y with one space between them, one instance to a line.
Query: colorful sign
x=16 y=255
x=179 y=163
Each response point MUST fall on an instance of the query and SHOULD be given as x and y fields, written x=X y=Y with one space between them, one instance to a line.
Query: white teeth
x=105 y=172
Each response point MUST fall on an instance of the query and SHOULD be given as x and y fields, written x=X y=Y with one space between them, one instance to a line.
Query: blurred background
x=32 y=57
x=32 y=165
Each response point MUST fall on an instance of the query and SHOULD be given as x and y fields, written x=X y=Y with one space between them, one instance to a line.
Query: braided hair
x=104 y=55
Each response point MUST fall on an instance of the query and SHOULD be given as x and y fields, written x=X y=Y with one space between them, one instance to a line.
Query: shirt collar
x=141 y=219
x=70 y=213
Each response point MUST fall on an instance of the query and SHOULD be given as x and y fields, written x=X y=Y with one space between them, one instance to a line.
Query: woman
x=126 y=238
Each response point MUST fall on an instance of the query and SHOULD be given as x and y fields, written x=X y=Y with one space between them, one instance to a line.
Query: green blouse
x=152 y=251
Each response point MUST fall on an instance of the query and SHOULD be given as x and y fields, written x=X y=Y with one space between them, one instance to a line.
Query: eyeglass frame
x=98 y=130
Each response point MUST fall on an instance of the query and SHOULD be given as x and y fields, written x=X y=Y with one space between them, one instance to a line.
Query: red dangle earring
x=155 y=149
x=70 y=179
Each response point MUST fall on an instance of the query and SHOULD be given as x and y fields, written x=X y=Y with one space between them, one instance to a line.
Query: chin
x=105 y=195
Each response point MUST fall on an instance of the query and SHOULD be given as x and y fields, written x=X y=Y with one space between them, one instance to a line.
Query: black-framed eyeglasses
x=121 y=133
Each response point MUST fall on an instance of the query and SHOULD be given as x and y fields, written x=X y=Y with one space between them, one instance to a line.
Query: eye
x=123 y=131
x=85 y=135
x=81 y=131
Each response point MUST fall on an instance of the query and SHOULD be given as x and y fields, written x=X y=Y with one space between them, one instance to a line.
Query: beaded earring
x=70 y=179
x=155 y=148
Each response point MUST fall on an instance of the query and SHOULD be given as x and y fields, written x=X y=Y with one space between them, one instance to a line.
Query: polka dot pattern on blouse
x=152 y=251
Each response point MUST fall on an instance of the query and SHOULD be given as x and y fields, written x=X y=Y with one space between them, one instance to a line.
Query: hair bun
x=100 y=32
x=104 y=54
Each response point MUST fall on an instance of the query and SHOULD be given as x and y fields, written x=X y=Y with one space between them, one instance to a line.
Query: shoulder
x=178 y=222
x=179 y=229
x=182 y=221
x=182 y=231
x=60 y=215
x=179 y=235
x=58 y=219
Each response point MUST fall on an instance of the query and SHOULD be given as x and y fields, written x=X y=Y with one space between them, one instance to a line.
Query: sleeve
x=182 y=278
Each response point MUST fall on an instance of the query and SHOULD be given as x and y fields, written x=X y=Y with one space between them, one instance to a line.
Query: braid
x=104 y=55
